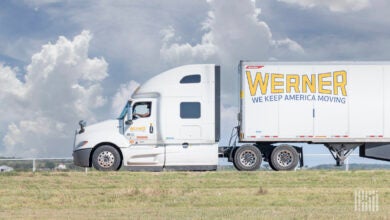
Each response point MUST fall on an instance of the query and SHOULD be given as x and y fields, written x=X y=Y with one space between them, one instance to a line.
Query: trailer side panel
x=315 y=102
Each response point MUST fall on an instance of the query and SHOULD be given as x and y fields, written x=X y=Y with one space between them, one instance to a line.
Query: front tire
x=106 y=158
x=284 y=157
x=247 y=158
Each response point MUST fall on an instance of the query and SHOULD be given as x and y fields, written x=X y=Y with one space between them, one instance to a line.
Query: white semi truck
x=172 y=121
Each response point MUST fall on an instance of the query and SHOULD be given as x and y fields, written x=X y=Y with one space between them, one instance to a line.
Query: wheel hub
x=248 y=158
x=285 y=158
x=106 y=159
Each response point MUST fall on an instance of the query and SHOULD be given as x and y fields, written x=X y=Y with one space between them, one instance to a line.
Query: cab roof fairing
x=167 y=83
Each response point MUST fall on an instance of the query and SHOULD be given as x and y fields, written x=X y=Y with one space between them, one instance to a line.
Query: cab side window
x=142 y=110
x=190 y=110
x=190 y=79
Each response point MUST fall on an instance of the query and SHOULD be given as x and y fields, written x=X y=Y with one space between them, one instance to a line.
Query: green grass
x=191 y=195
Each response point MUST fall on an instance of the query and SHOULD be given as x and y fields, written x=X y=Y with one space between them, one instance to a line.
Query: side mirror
x=129 y=120
x=82 y=124
x=129 y=113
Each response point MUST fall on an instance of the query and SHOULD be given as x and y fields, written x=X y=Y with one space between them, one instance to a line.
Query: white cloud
x=61 y=85
x=9 y=84
x=122 y=95
x=286 y=46
x=332 y=5
x=233 y=33
x=175 y=53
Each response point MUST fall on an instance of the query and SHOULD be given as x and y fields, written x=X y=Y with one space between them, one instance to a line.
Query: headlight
x=82 y=143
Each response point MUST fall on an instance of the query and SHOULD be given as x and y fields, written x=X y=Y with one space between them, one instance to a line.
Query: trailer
x=172 y=121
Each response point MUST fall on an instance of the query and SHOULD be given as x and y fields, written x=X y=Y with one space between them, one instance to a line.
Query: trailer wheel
x=247 y=158
x=106 y=158
x=271 y=165
x=284 y=157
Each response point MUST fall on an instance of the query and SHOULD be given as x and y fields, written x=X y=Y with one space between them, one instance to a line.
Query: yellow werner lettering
x=258 y=81
x=339 y=82
x=309 y=83
x=324 y=83
x=277 y=80
x=292 y=82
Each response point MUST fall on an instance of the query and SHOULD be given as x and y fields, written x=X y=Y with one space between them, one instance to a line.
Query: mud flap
x=300 y=152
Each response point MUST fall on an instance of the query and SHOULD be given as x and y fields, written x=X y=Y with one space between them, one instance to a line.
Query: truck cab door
x=144 y=152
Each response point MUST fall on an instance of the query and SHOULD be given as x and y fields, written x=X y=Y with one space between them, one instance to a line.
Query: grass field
x=191 y=195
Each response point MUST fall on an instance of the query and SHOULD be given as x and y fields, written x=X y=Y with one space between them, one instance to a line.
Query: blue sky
x=61 y=61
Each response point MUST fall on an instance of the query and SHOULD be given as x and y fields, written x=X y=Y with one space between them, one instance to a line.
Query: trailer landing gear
x=340 y=152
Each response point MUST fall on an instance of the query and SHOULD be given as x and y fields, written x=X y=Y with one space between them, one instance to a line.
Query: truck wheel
x=271 y=165
x=247 y=158
x=106 y=158
x=284 y=157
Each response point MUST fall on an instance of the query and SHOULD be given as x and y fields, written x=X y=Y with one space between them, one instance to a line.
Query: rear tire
x=106 y=158
x=271 y=165
x=247 y=158
x=284 y=157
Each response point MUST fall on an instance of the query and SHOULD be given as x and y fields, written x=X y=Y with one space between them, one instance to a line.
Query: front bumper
x=81 y=157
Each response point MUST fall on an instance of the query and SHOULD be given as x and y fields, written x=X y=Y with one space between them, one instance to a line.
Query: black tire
x=271 y=165
x=284 y=157
x=247 y=158
x=106 y=158
x=234 y=164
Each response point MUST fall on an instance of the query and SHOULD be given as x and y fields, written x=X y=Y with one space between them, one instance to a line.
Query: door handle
x=185 y=145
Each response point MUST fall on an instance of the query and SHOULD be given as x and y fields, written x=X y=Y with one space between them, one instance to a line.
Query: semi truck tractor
x=173 y=121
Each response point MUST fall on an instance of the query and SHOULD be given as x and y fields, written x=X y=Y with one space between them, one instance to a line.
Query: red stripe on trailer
x=253 y=67
x=381 y=136
x=345 y=136
x=275 y=136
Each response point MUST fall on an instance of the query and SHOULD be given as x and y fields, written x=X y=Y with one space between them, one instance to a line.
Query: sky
x=62 y=61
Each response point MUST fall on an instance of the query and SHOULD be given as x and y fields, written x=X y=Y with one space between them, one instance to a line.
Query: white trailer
x=173 y=120
x=342 y=105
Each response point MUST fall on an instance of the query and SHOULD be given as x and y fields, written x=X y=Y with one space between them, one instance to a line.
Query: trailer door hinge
x=314 y=113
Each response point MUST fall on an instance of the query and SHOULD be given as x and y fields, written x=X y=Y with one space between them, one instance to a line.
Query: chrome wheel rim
x=285 y=158
x=248 y=158
x=106 y=159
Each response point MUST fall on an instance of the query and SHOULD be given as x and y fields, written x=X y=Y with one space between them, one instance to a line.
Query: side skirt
x=378 y=151
x=192 y=168
x=172 y=168
x=145 y=168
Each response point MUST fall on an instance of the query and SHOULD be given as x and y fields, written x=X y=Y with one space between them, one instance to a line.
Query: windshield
x=124 y=111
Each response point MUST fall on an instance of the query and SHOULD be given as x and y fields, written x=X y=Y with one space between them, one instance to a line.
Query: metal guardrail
x=70 y=159
x=36 y=159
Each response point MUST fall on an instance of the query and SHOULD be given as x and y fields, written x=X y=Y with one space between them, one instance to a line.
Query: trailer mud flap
x=378 y=151
x=300 y=152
